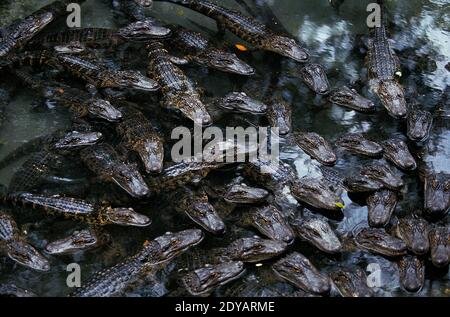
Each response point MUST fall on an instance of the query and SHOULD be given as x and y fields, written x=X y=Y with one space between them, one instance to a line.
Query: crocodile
x=269 y=221
x=397 y=152
x=198 y=49
x=203 y=281
x=178 y=92
x=298 y=270
x=380 y=207
x=105 y=162
x=383 y=68
x=154 y=254
x=376 y=240
x=349 y=98
x=79 y=240
x=78 y=209
x=412 y=273
x=247 y=28
x=196 y=205
x=14 y=245
x=357 y=143
x=418 y=124
x=437 y=194
x=314 y=76
x=317 y=232
x=351 y=282
x=316 y=146
x=139 y=31
x=440 y=245
x=279 y=114
x=138 y=135
x=414 y=232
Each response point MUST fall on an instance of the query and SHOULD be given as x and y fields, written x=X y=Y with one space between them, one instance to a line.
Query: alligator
x=437 y=194
x=154 y=255
x=414 y=232
x=14 y=245
x=418 y=124
x=271 y=176
x=237 y=192
x=376 y=240
x=198 y=49
x=349 y=98
x=139 y=31
x=357 y=143
x=270 y=222
x=203 y=281
x=248 y=29
x=298 y=270
x=279 y=114
x=105 y=162
x=351 y=282
x=316 y=146
x=383 y=68
x=178 y=92
x=397 y=152
x=79 y=240
x=196 y=206
x=11 y=290
x=439 y=237
x=380 y=207
x=372 y=178
x=138 y=135
x=317 y=232
x=314 y=76
x=240 y=102
x=78 y=209
x=412 y=273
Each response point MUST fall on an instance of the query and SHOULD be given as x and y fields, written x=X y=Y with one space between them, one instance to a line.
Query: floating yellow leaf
x=241 y=47
x=340 y=205
x=258 y=264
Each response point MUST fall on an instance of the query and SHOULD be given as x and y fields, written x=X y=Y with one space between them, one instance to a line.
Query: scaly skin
x=358 y=144
x=414 y=232
x=248 y=29
x=396 y=151
x=314 y=76
x=437 y=194
x=316 y=146
x=79 y=240
x=177 y=90
x=316 y=193
x=298 y=270
x=81 y=210
x=380 y=206
x=418 y=124
x=317 y=232
x=279 y=114
x=440 y=245
x=378 y=241
x=138 y=135
x=198 y=49
x=349 y=98
x=269 y=175
x=104 y=161
x=383 y=67
x=412 y=273
x=240 y=102
x=13 y=245
x=383 y=175
x=154 y=255
x=351 y=282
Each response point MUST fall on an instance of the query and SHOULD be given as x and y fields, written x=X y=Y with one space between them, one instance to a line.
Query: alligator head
x=314 y=76
x=398 y=153
x=190 y=106
x=240 y=102
x=414 y=232
x=76 y=139
x=223 y=61
x=151 y=152
x=392 y=97
x=380 y=206
x=378 y=241
x=419 y=124
x=244 y=194
x=74 y=47
x=316 y=194
x=204 y=280
x=412 y=273
x=26 y=255
x=350 y=98
x=357 y=143
x=298 y=270
x=286 y=47
x=124 y=217
x=382 y=174
x=254 y=249
x=351 y=282
x=317 y=232
x=128 y=79
x=128 y=178
x=316 y=146
x=439 y=245
x=279 y=115
x=79 y=240
x=164 y=248
x=269 y=221
x=361 y=184
x=99 y=108
x=437 y=194
x=143 y=30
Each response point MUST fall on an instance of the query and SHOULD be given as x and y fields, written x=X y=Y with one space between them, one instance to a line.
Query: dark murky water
x=421 y=33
